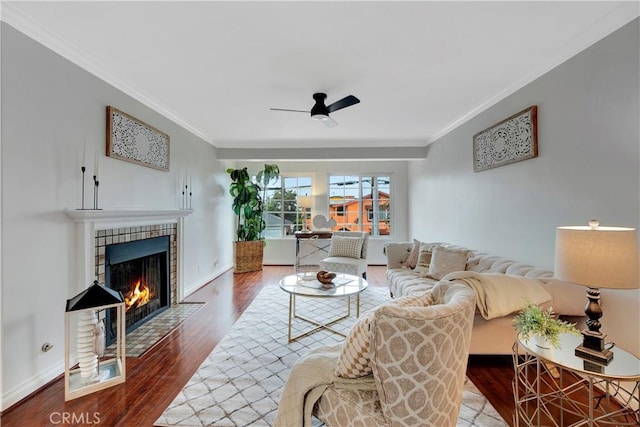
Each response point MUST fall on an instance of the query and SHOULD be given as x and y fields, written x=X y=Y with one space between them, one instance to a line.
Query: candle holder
x=190 y=194
x=96 y=184
x=184 y=197
x=83 y=169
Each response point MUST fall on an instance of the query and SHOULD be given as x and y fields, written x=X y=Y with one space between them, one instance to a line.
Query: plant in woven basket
x=533 y=320
x=248 y=197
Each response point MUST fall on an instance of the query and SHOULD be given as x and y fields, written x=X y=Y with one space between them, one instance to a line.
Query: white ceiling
x=419 y=68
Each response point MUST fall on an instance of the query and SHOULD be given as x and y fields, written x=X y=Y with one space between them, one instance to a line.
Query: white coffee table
x=305 y=285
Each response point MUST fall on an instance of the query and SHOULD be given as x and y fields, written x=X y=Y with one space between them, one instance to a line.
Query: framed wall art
x=134 y=141
x=512 y=140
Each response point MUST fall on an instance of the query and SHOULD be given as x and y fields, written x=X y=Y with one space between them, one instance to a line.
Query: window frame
x=365 y=211
x=283 y=201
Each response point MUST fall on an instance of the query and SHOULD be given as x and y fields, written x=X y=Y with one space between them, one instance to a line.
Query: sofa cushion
x=424 y=258
x=349 y=247
x=355 y=360
x=412 y=259
x=447 y=260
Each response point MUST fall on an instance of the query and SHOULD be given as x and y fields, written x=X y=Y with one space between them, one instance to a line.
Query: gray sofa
x=494 y=336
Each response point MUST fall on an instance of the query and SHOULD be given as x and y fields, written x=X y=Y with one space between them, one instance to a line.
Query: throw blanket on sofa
x=309 y=378
x=501 y=294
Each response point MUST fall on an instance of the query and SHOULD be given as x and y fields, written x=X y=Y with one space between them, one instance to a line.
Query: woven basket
x=247 y=256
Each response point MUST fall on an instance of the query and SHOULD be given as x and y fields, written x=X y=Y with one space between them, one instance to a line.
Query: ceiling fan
x=320 y=111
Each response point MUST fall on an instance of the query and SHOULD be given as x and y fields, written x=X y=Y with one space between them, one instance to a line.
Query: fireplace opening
x=140 y=271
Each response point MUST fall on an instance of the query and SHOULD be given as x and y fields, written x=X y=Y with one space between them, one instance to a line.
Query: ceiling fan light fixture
x=320 y=116
x=320 y=112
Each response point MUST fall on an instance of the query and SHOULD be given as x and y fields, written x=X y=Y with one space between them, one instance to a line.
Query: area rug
x=240 y=382
x=143 y=338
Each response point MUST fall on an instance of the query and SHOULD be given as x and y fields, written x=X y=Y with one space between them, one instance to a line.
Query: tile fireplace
x=99 y=229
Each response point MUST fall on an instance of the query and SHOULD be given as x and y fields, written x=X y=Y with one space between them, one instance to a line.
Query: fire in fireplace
x=140 y=271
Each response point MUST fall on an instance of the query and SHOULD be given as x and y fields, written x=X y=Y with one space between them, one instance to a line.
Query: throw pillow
x=447 y=260
x=412 y=259
x=424 y=258
x=350 y=247
x=355 y=360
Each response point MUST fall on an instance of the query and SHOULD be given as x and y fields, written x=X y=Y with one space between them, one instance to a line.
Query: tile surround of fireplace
x=111 y=236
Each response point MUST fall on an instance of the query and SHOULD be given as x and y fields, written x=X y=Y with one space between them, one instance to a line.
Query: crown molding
x=333 y=154
x=13 y=16
x=620 y=16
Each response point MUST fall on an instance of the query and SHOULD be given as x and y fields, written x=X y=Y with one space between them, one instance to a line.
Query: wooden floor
x=154 y=379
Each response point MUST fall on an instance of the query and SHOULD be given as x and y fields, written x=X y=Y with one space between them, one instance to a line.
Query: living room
x=587 y=167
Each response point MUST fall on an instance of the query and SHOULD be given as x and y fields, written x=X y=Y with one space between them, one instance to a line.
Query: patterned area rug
x=240 y=382
x=143 y=338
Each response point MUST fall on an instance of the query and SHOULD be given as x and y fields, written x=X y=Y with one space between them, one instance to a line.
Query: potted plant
x=247 y=205
x=533 y=321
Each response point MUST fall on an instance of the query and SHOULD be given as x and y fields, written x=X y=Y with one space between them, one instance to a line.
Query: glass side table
x=549 y=387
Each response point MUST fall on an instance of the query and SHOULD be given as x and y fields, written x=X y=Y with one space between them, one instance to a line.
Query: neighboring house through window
x=361 y=203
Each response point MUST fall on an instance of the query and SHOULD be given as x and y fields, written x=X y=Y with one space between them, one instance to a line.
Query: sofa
x=495 y=334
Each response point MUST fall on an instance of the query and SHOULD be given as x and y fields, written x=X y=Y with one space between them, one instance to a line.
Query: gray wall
x=49 y=107
x=588 y=167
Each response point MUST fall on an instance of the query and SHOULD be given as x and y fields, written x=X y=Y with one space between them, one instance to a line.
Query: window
x=361 y=203
x=282 y=212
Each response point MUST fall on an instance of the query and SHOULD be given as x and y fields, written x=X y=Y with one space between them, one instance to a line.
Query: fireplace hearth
x=140 y=270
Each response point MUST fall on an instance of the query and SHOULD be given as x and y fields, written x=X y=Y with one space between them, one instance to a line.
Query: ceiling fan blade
x=329 y=122
x=286 y=109
x=347 y=101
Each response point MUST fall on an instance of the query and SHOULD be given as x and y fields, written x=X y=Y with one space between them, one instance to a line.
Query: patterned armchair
x=347 y=254
x=418 y=357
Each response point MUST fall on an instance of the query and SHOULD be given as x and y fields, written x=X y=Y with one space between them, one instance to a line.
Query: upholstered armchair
x=347 y=253
x=402 y=364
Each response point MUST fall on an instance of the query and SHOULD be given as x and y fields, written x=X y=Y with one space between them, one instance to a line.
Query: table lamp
x=305 y=202
x=596 y=257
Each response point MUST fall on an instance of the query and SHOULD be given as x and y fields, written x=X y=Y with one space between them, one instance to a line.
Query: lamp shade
x=305 y=201
x=597 y=257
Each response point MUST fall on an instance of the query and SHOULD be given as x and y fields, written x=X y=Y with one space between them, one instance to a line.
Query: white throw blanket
x=308 y=379
x=501 y=294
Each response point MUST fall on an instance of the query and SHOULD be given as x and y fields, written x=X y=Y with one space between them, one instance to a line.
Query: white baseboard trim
x=188 y=290
x=32 y=385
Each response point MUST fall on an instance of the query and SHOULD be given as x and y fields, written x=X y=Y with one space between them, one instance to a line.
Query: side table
x=548 y=382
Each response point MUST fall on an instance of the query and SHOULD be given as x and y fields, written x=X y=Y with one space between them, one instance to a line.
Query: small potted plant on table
x=533 y=322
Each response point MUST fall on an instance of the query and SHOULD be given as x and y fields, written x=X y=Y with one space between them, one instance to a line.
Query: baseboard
x=188 y=290
x=31 y=386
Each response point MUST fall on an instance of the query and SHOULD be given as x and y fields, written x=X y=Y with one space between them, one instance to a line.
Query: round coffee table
x=306 y=285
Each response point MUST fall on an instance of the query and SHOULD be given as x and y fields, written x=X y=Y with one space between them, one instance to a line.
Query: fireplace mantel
x=126 y=216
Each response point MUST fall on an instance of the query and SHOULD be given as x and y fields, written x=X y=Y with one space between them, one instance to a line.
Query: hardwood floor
x=154 y=379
